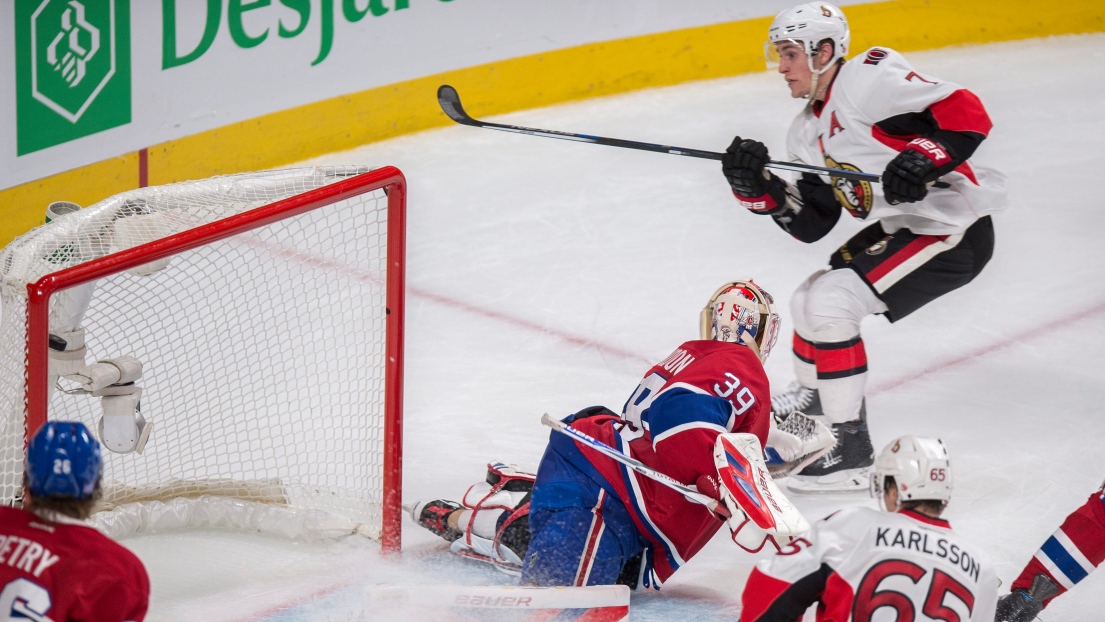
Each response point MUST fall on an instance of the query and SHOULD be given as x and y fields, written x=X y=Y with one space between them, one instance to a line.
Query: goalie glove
x=796 y=443
x=760 y=511
x=742 y=530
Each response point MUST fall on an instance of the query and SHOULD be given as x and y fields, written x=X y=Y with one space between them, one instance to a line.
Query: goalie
x=122 y=428
x=585 y=519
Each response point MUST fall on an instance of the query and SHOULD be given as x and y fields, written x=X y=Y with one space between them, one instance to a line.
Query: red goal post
x=388 y=179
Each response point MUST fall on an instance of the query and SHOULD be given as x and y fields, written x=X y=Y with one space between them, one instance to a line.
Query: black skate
x=434 y=515
x=796 y=398
x=846 y=467
x=1021 y=605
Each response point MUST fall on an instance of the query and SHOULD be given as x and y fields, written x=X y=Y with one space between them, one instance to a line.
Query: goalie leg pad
x=119 y=371
x=123 y=429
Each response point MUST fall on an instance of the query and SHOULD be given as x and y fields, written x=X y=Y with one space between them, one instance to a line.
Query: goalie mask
x=920 y=468
x=807 y=25
x=741 y=312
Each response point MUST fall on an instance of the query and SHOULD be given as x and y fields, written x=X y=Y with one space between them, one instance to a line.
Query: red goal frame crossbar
x=388 y=178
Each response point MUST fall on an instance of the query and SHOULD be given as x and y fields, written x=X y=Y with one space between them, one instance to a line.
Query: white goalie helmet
x=919 y=466
x=742 y=312
x=807 y=25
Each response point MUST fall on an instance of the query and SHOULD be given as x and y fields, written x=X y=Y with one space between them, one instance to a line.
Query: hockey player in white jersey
x=905 y=561
x=931 y=233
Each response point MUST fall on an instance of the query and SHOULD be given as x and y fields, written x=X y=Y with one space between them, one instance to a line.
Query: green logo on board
x=72 y=70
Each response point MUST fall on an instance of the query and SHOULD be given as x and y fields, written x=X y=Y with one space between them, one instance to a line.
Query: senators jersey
x=670 y=423
x=64 y=570
x=876 y=104
x=859 y=561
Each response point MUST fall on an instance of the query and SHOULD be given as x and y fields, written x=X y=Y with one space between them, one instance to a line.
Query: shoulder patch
x=875 y=56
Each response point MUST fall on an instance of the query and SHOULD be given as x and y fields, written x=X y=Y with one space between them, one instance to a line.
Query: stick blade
x=608 y=603
x=449 y=100
x=550 y=422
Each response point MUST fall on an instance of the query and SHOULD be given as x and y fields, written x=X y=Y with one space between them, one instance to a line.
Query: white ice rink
x=545 y=276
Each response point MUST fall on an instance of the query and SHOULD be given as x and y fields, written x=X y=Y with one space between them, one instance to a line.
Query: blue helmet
x=63 y=460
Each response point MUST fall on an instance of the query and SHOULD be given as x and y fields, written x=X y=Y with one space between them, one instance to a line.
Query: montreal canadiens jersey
x=856 y=128
x=65 y=570
x=703 y=389
x=863 y=564
x=1073 y=551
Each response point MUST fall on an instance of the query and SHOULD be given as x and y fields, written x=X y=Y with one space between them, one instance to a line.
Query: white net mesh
x=263 y=354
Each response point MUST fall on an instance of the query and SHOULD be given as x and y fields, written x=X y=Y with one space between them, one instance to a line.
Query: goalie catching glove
x=760 y=513
x=796 y=443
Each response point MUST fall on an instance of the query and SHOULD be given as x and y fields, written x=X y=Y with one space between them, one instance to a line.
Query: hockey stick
x=449 y=100
x=691 y=494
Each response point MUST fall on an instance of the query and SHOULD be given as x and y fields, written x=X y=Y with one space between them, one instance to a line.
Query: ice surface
x=545 y=276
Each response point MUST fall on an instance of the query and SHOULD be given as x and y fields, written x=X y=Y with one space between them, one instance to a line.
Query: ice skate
x=796 y=398
x=845 y=467
x=434 y=515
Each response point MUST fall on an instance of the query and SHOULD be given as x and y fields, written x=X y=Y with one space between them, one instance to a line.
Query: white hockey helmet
x=741 y=312
x=919 y=466
x=807 y=25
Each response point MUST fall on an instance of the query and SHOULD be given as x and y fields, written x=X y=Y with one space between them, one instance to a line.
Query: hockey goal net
x=266 y=310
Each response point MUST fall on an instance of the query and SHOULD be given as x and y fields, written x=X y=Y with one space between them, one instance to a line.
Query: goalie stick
x=691 y=494
x=449 y=100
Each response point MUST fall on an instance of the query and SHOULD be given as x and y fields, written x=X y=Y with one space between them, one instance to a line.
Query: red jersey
x=1073 y=551
x=703 y=389
x=64 y=570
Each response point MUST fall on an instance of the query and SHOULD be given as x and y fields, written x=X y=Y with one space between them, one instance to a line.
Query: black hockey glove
x=1022 y=605
x=907 y=176
x=756 y=189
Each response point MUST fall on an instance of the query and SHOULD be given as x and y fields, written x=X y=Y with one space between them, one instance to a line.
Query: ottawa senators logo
x=854 y=196
x=879 y=247
x=825 y=11
x=875 y=56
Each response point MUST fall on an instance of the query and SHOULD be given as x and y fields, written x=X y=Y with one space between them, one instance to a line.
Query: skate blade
x=851 y=481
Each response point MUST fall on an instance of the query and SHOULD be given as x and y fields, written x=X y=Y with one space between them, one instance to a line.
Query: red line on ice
x=578 y=340
x=299 y=600
x=377 y=278
x=1019 y=338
